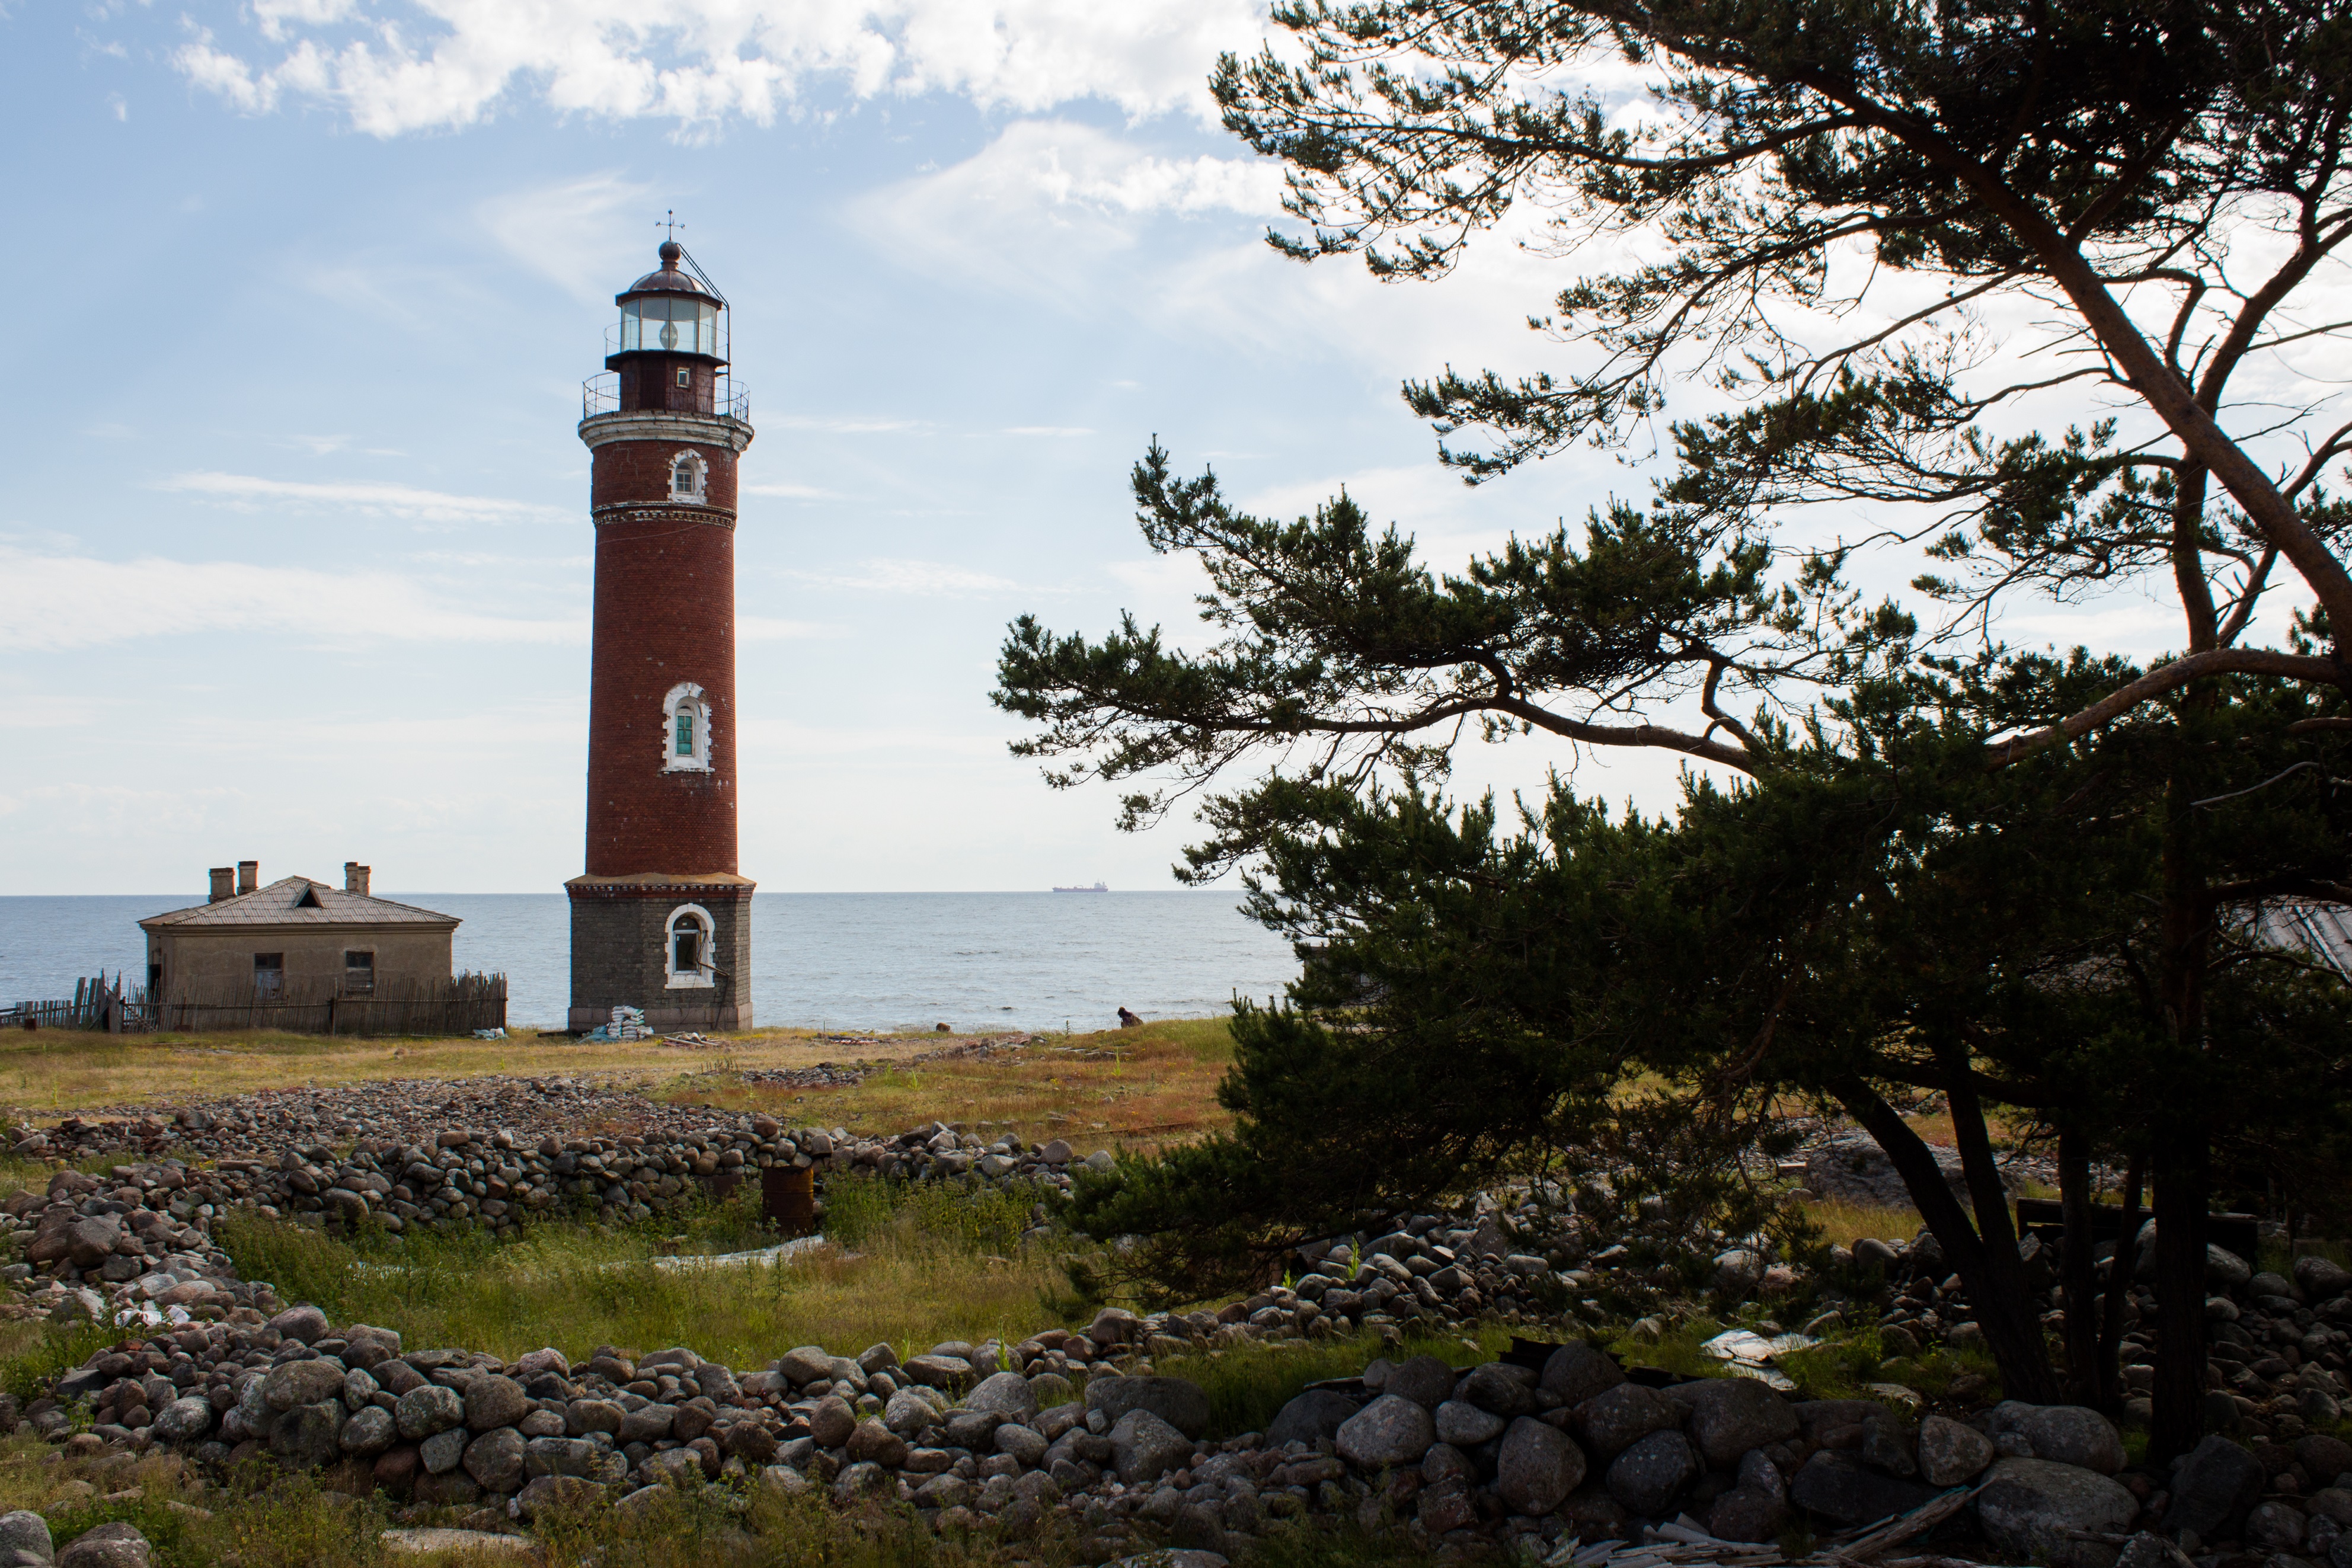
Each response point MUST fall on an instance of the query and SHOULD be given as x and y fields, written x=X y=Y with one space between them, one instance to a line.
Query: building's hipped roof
x=298 y=900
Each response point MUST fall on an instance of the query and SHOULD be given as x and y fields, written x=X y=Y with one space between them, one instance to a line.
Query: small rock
x=1464 y=1426
x=1951 y=1453
x=1174 y=1400
x=1387 y=1433
x=1576 y=1372
x=1617 y=1418
x=1313 y=1417
x=2034 y=1508
x=1143 y=1447
x=1652 y=1473
x=116 y=1544
x=1537 y=1467
x=25 y=1530
x=2213 y=1489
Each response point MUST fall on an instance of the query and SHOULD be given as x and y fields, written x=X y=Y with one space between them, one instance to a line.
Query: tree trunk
x=2180 y=1187
x=2012 y=1327
x=2120 y=1273
x=2085 y=1381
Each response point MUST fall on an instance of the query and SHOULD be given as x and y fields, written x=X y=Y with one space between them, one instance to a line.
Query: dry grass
x=1137 y=1087
x=54 y=1072
x=1846 y=1223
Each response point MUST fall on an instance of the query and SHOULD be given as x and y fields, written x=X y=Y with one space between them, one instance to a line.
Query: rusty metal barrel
x=788 y=1197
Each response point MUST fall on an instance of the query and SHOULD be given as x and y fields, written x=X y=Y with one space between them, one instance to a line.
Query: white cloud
x=399 y=66
x=1046 y=205
x=915 y=579
x=567 y=233
x=379 y=499
x=83 y=602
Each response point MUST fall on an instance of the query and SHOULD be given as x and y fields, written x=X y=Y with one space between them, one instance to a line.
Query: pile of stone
x=136 y=1241
x=1052 y=1426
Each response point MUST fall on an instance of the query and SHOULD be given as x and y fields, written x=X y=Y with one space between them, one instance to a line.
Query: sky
x=296 y=557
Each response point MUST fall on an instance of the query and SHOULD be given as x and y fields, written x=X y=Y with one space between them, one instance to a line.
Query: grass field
x=1137 y=1087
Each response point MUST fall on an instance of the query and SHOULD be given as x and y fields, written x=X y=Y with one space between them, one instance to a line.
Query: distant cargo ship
x=1099 y=887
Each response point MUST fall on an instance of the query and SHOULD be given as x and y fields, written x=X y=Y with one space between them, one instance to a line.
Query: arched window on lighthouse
x=687 y=955
x=685 y=730
x=687 y=477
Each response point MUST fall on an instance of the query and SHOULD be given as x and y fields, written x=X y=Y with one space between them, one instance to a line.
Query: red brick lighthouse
x=662 y=920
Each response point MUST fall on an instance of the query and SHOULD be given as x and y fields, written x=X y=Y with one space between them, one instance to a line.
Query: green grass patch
x=1248 y=1384
x=927 y=1264
x=1676 y=1351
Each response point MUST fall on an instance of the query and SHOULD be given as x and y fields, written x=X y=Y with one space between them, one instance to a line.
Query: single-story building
x=296 y=941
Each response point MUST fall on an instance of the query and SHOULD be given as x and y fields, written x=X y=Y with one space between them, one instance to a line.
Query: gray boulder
x=425 y=1410
x=2320 y=1278
x=115 y=1544
x=808 y=1363
x=1498 y=1389
x=1839 y=1487
x=2272 y=1526
x=2213 y=1489
x=26 y=1531
x=440 y=1453
x=1464 y=1426
x=1618 y=1418
x=1748 y=1513
x=495 y=1459
x=301 y=1382
x=307 y=1435
x=368 y=1432
x=1649 y=1475
x=1008 y=1393
x=556 y=1494
x=1312 y=1417
x=2145 y=1550
x=1174 y=1400
x=2033 y=1509
x=1387 y=1433
x=909 y=1414
x=1951 y=1453
x=1426 y=1380
x=1537 y=1467
x=183 y=1420
x=2063 y=1434
x=1576 y=1372
x=495 y=1401
x=1143 y=1447
x=1730 y=1415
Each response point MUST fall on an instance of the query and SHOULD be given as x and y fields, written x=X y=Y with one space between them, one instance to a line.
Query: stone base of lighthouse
x=625 y=951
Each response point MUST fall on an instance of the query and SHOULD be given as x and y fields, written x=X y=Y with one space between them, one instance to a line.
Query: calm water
x=835 y=960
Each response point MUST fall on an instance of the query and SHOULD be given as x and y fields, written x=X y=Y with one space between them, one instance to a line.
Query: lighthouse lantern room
x=662 y=919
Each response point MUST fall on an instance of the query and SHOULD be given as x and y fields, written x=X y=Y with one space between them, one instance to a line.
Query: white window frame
x=701 y=978
x=700 y=469
x=683 y=694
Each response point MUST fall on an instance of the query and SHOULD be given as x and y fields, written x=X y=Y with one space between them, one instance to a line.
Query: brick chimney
x=248 y=875
x=355 y=878
x=224 y=883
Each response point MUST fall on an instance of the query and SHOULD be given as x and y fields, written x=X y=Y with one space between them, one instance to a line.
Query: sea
x=820 y=960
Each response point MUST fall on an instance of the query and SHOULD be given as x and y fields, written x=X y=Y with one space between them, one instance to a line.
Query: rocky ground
x=1556 y=1448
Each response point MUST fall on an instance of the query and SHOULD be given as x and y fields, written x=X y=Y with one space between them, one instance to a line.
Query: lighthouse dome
x=670 y=279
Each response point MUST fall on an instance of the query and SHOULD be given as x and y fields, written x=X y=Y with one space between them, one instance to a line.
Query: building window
x=687 y=949
x=685 y=376
x=269 y=976
x=687 y=477
x=685 y=730
x=359 y=974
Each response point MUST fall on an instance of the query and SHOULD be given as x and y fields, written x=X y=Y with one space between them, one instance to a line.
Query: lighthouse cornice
x=653 y=424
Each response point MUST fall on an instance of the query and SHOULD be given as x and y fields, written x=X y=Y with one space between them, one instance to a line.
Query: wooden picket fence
x=457 y=1005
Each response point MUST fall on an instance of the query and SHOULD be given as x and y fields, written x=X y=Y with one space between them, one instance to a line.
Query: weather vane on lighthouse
x=669 y=222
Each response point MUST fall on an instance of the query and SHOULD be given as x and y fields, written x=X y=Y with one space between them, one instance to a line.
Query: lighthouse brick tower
x=662 y=920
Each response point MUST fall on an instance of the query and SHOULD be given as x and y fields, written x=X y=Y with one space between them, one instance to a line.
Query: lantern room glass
x=682 y=326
